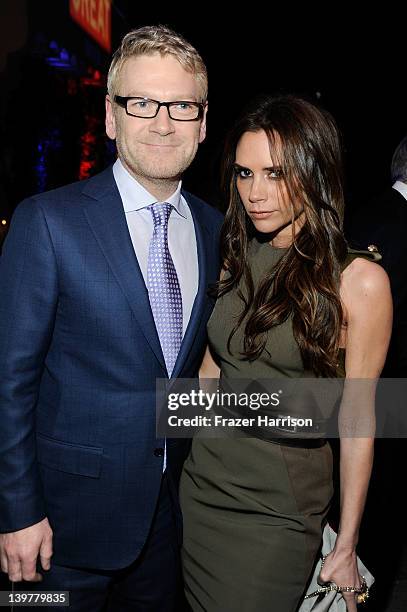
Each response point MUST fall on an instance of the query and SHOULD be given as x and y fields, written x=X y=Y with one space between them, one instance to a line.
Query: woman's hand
x=341 y=568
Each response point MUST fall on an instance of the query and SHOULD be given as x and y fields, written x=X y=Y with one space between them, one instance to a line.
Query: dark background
x=51 y=116
x=52 y=88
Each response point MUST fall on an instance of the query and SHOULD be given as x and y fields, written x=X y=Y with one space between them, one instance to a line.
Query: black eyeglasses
x=145 y=108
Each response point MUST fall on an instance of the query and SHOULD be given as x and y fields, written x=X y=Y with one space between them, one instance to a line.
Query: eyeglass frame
x=122 y=101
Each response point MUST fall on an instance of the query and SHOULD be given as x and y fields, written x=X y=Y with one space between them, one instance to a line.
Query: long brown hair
x=305 y=282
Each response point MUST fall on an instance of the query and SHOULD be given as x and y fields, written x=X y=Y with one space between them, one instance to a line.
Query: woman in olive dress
x=293 y=302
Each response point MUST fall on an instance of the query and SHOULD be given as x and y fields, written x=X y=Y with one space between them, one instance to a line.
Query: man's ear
x=110 y=121
x=202 y=129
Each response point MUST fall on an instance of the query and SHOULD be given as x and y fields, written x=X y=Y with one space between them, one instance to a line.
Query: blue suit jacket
x=79 y=358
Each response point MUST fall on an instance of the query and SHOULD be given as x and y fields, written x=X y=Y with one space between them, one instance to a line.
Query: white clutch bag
x=331 y=601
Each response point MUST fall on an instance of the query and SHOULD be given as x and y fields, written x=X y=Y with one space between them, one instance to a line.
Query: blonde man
x=104 y=290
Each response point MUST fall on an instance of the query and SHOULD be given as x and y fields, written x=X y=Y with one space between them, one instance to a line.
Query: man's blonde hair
x=157 y=39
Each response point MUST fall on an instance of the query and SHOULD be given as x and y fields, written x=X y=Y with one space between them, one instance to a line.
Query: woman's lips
x=261 y=215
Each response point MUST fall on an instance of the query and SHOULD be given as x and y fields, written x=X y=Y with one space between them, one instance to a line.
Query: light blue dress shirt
x=181 y=235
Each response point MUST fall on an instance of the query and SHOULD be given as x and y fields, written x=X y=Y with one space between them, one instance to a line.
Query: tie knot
x=161 y=213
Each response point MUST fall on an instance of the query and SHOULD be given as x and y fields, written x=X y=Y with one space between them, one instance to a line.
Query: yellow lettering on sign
x=92 y=19
x=101 y=18
x=85 y=10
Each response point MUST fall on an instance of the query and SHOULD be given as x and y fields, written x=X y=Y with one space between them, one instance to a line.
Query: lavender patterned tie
x=163 y=287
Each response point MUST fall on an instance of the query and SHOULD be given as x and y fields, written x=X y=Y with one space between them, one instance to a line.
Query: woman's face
x=261 y=185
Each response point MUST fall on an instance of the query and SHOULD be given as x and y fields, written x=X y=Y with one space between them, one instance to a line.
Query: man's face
x=158 y=148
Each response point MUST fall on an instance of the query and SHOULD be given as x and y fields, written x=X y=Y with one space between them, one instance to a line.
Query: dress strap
x=371 y=253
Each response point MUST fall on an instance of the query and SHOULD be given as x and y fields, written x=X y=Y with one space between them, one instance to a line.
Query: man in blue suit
x=103 y=288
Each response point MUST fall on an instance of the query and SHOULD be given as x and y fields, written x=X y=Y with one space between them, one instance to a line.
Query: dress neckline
x=265 y=247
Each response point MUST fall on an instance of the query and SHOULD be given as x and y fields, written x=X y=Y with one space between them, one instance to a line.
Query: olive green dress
x=253 y=510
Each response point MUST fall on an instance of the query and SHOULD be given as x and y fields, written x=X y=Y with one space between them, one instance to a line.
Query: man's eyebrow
x=179 y=98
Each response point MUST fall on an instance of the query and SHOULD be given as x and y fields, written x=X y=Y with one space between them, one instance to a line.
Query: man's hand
x=19 y=551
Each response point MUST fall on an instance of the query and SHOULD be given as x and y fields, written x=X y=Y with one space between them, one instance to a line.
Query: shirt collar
x=401 y=188
x=135 y=196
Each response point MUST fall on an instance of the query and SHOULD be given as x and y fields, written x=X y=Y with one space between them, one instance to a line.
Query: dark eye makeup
x=275 y=172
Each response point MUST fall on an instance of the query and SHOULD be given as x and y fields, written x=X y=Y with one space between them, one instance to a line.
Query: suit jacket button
x=159 y=452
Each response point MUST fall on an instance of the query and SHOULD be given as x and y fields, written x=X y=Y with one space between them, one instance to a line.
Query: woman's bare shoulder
x=365 y=278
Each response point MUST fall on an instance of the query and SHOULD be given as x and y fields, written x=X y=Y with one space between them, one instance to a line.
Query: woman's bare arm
x=209 y=368
x=366 y=296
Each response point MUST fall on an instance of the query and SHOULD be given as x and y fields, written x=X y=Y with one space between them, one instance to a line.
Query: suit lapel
x=105 y=215
x=202 y=235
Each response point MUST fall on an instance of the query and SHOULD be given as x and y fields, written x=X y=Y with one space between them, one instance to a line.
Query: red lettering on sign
x=94 y=16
